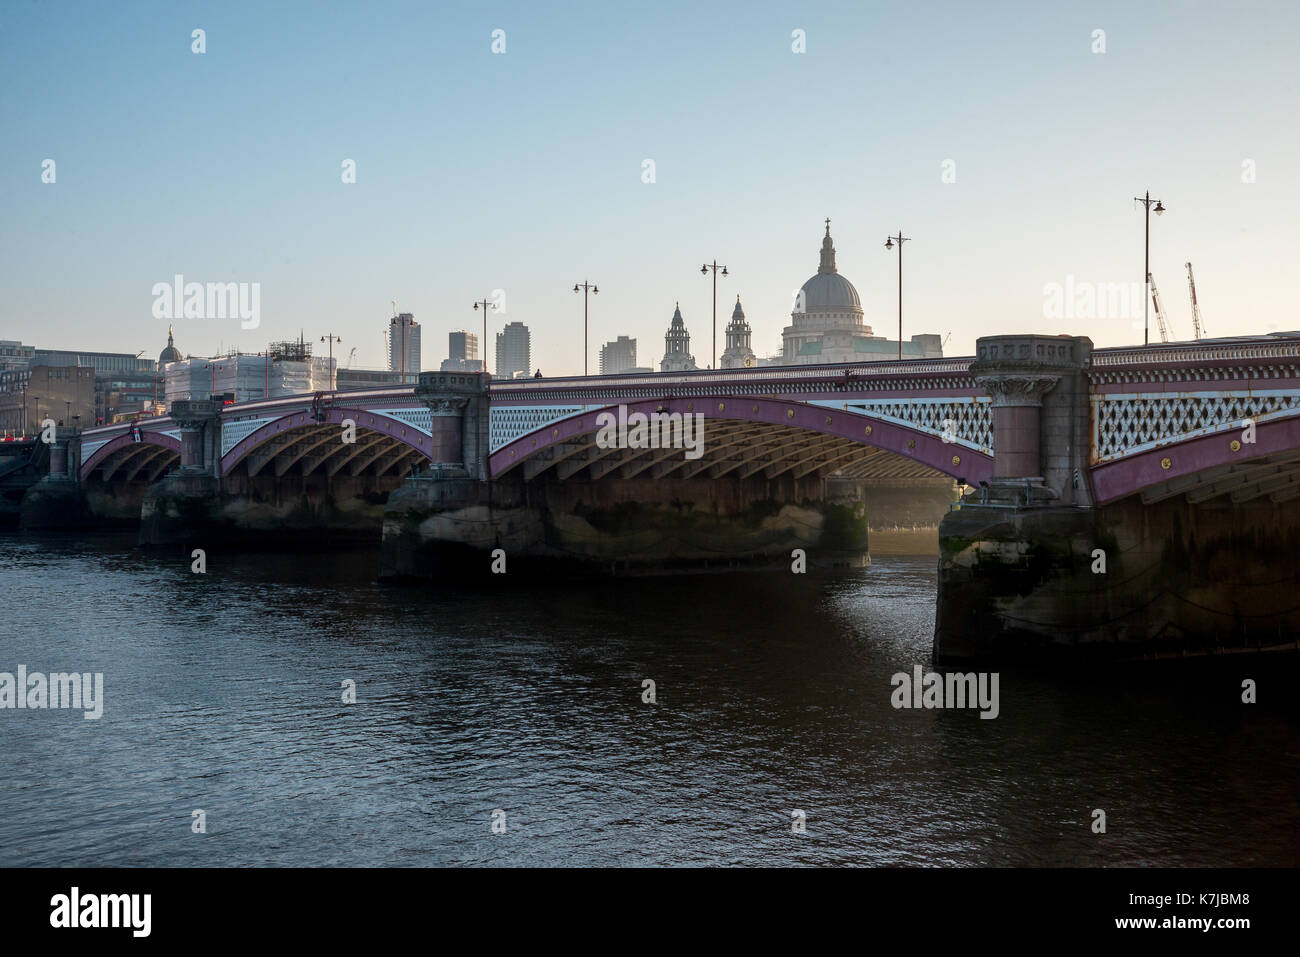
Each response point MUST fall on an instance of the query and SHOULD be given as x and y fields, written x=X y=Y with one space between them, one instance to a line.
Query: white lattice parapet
x=232 y=433
x=1125 y=424
x=508 y=422
x=970 y=419
x=90 y=448
x=418 y=418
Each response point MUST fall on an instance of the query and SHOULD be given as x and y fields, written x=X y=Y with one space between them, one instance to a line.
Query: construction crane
x=1197 y=329
x=1166 y=328
x=351 y=355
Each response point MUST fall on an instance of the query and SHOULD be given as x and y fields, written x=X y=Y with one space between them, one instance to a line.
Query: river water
x=223 y=693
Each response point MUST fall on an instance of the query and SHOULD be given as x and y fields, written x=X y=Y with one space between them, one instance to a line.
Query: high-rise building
x=677 y=346
x=462 y=352
x=404 y=346
x=618 y=356
x=738 y=354
x=514 y=350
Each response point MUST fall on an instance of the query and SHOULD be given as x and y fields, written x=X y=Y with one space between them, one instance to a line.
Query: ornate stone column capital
x=1020 y=370
x=444 y=405
x=193 y=414
x=1017 y=388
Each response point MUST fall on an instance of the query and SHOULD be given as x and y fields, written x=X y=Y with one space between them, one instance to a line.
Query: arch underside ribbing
x=318 y=448
x=745 y=438
x=124 y=459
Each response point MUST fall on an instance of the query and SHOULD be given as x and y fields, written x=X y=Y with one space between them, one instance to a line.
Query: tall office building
x=618 y=356
x=404 y=346
x=462 y=352
x=514 y=350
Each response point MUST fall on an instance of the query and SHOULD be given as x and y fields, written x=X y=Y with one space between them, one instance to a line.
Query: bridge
x=1052 y=440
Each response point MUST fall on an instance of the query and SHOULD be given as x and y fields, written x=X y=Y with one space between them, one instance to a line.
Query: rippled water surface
x=223 y=693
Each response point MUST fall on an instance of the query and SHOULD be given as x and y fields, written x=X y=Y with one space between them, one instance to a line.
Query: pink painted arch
x=366 y=419
x=156 y=439
x=957 y=461
x=1132 y=474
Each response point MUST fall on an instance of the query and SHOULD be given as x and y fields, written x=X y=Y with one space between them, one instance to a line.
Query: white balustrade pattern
x=1126 y=424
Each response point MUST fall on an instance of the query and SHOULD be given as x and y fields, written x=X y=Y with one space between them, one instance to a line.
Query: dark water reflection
x=223 y=693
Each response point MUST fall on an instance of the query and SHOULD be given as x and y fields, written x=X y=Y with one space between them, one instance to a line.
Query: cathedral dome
x=171 y=353
x=829 y=291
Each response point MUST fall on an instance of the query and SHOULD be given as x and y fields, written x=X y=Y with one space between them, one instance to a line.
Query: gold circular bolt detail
x=1166 y=464
x=956 y=460
x=1234 y=445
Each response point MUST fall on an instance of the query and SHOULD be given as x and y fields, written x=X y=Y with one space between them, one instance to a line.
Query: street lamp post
x=585 y=286
x=889 y=244
x=704 y=270
x=485 y=303
x=331 y=339
x=1146 y=272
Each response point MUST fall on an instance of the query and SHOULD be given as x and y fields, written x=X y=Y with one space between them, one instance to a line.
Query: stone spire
x=828 y=253
x=738 y=353
x=677 y=345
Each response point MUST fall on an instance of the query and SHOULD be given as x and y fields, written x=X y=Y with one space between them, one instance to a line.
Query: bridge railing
x=774 y=374
x=1188 y=352
x=147 y=424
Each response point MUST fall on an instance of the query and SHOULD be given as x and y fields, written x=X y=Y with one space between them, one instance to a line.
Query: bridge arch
x=1209 y=465
x=155 y=452
x=383 y=443
x=847 y=434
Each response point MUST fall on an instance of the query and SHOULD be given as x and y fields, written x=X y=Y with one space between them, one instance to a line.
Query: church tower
x=738 y=354
x=677 y=346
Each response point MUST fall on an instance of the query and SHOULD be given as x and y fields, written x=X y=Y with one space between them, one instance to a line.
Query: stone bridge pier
x=179 y=508
x=56 y=501
x=452 y=512
x=1031 y=566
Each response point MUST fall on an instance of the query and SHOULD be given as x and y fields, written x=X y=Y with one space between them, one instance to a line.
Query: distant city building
x=514 y=351
x=677 y=346
x=121 y=379
x=62 y=393
x=348 y=380
x=826 y=323
x=404 y=340
x=617 y=356
x=738 y=354
x=247 y=377
x=14 y=355
x=462 y=353
x=101 y=362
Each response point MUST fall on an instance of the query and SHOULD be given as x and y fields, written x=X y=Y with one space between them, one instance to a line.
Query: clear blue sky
x=522 y=171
